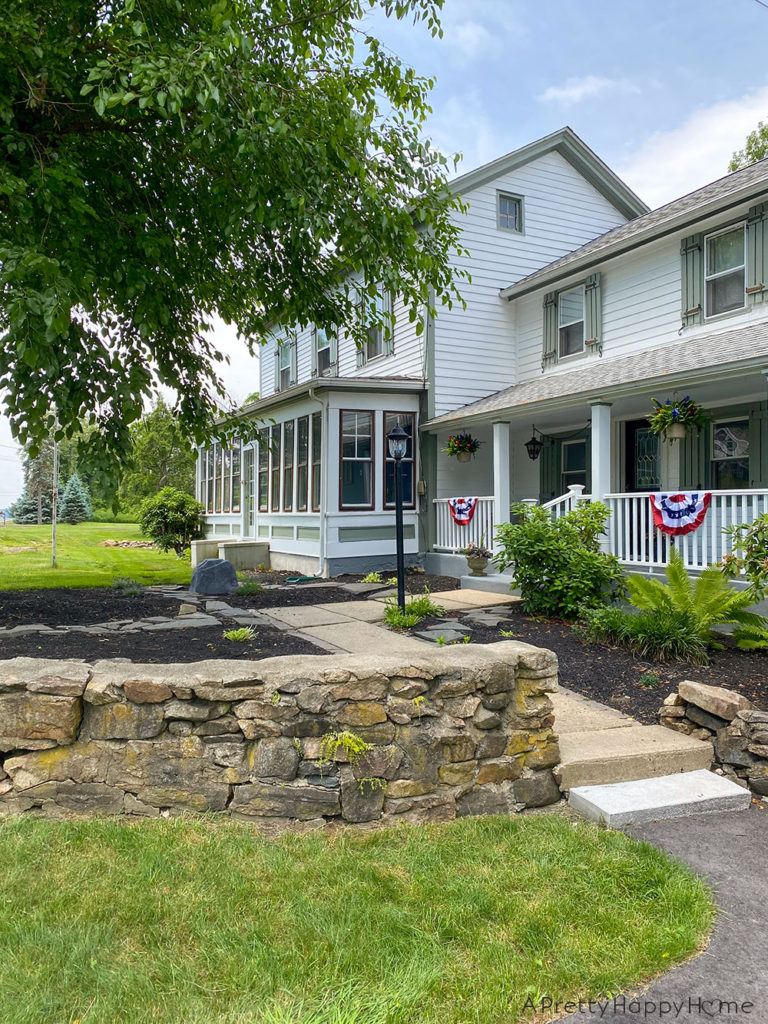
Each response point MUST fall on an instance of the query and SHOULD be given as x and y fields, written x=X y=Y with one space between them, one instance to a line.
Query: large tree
x=755 y=148
x=164 y=159
x=162 y=455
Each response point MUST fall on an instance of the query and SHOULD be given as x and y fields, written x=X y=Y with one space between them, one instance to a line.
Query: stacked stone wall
x=311 y=739
x=738 y=729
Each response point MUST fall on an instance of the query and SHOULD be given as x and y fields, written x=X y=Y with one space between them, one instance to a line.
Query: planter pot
x=463 y=456
x=477 y=565
x=675 y=432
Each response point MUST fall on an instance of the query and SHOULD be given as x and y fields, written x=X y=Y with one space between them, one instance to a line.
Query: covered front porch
x=599 y=447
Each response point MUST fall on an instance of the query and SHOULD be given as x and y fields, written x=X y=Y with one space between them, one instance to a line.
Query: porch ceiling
x=727 y=365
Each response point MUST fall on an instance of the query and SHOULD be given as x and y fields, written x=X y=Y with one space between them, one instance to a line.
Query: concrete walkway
x=728 y=850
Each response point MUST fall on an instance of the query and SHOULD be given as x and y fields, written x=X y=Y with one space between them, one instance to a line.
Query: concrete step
x=493 y=583
x=599 y=757
x=668 y=796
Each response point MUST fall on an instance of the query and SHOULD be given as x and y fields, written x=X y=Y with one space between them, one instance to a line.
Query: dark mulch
x=414 y=581
x=70 y=606
x=619 y=679
x=163 y=646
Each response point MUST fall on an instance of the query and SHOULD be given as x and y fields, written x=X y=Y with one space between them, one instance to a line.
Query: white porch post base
x=501 y=494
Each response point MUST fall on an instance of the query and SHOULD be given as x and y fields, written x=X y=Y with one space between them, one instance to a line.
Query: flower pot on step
x=477 y=565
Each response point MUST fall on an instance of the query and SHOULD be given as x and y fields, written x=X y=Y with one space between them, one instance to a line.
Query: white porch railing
x=452 y=537
x=566 y=502
x=633 y=538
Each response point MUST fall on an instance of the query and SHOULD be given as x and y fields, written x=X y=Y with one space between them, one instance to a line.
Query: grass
x=241 y=635
x=199 y=922
x=82 y=562
x=418 y=608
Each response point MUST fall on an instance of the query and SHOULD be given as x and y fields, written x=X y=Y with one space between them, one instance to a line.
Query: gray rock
x=714 y=699
x=89 y=798
x=360 y=800
x=194 y=710
x=293 y=801
x=705 y=718
x=538 y=790
x=380 y=763
x=39 y=716
x=485 y=719
x=214 y=576
x=490 y=799
x=275 y=758
x=121 y=721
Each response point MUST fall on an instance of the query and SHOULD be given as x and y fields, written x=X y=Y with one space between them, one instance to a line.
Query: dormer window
x=570 y=320
x=725 y=271
x=509 y=212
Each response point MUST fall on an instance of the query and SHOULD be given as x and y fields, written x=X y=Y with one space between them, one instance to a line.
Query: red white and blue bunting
x=462 y=510
x=677 y=514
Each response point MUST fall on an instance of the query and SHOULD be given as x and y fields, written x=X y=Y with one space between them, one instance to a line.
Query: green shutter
x=294 y=359
x=549 y=348
x=593 y=314
x=758 y=445
x=549 y=471
x=692 y=279
x=694 y=459
x=757 y=253
x=389 y=328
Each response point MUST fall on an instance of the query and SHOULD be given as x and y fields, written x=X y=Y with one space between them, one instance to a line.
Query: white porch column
x=601 y=450
x=501 y=491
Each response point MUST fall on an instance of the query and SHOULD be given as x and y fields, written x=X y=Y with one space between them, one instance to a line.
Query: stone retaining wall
x=739 y=730
x=451 y=732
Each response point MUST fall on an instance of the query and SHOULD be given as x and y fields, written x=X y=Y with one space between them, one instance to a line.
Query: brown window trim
x=390 y=412
x=358 y=508
x=302 y=500
x=315 y=467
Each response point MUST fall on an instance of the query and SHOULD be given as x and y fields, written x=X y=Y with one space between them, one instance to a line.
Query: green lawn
x=81 y=560
x=205 y=922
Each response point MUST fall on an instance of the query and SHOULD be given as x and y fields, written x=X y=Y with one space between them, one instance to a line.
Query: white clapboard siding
x=475 y=351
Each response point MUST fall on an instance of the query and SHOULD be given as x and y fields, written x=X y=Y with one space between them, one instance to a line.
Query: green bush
x=751 y=638
x=558 y=564
x=750 y=554
x=416 y=609
x=172 y=520
x=659 y=636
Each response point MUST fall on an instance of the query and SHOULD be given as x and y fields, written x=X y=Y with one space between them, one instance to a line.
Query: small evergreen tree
x=75 y=506
x=31 y=510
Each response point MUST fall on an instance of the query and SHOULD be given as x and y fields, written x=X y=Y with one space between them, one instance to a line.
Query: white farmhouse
x=583 y=307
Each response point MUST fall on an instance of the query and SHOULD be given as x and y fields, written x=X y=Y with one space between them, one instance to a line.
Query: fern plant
x=704 y=603
x=752 y=638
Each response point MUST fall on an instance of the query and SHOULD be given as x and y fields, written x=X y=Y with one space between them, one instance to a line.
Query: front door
x=642 y=458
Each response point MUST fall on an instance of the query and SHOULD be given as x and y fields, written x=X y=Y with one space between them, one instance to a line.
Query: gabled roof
x=710 y=355
x=567 y=143
x=730 y=191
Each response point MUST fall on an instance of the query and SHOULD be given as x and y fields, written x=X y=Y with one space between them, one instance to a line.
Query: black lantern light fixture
x=397 y=442
x=534 y=446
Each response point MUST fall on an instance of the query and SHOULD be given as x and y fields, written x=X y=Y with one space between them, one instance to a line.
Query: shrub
x=246 y=587
x=240 y=636
x=709 y=601
x=750 y=553
x=558 y=564
x=172 y=520
x=371 y=577
x=416 y=609
x=125 y=586
x=751 y=638
x=660 y=636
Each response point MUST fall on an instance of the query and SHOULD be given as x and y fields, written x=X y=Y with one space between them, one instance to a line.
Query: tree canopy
x=755 y=148
x=162 y=455
x=164 y=160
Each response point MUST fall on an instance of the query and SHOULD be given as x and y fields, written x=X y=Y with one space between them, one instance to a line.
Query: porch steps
x=668 y=796
x=493 y=583
x=599 y=746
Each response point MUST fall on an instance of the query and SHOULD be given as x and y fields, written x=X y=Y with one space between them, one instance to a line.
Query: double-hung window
x=263 y=487
x=356 y=460
x=380 y=334
x=274 y=467
x=570 y=322
x=509 y=212
x=317 y=459
x=324 y=360
x=288 y=466
x=406 y=421
x=574 y=463
x=284 y=366
x=302 y=463
x=725 y=271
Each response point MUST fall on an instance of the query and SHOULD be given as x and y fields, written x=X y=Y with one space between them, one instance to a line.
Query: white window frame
x=327 y=346
x=583 y=321
x=564 y=473
x=284 y=347
x=724 y=273
x=384 y=342
x=518 y=200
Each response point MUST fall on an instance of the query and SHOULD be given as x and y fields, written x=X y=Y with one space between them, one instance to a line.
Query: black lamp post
x=397 y=441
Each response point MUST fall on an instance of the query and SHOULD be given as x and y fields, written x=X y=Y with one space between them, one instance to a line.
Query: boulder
x=714 y=699
x=538 y=790
x=214 y=576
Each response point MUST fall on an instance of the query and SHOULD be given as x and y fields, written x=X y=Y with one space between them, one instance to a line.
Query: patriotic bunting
x=677 y=514
x=462 y=510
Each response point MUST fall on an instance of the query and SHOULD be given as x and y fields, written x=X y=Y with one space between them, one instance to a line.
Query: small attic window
x=509 y=212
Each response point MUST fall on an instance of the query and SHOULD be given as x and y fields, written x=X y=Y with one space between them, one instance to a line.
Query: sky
x=664 y=92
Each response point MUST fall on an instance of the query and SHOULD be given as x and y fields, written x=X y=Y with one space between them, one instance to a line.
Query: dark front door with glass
x=642 y=458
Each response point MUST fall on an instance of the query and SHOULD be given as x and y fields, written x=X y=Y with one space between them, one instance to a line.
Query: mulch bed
x=619 y=679
x=161 y=647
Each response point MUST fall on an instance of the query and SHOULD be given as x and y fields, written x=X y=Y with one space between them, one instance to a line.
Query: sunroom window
x=571 y=322
x=724 y=271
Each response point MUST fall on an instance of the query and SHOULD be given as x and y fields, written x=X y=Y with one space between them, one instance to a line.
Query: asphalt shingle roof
x=597 y=376
x=654 y=223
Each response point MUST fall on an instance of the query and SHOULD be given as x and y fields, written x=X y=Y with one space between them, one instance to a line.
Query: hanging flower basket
x=676 y=417
x=461 y=447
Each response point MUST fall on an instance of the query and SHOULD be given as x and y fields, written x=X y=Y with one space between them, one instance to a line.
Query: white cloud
x=574 y=90
x=669 y=164
x=463 y=122
x=467 y=40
